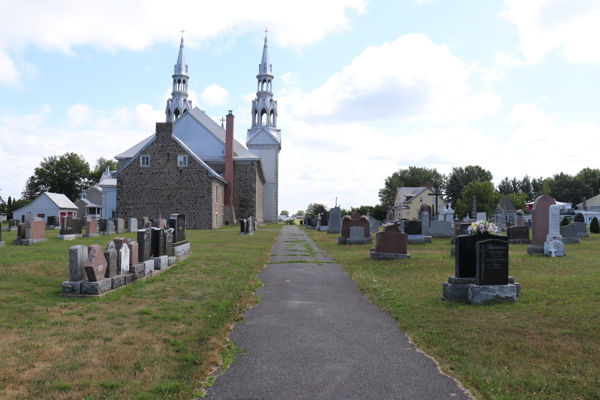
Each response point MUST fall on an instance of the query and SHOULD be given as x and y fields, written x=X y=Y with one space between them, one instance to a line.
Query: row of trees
x=68 y=174
x=12 y=205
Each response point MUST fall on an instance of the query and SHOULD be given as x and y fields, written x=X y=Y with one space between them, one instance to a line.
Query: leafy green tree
x=300 y=212
x=101 y=165
x=473 y=173
x=314 y=209
x=595 y=226
x=454 y=189
x=518 y=199
x=18 y=204
x=566 y=188
x=564 y=222
x=412 y=177
x=537 y=187
x=591 y=177
x=284 y=212
x=67 y=174
x=486 y=195
x=505 y=187
x=527 y=188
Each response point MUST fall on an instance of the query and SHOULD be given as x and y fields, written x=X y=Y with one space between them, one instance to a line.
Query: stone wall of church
x=164 y=188
x=248 y=189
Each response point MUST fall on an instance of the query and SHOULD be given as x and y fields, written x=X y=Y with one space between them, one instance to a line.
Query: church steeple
x=178 y=104
x=264 y=108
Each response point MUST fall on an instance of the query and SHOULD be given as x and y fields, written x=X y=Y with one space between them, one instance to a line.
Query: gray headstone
x=335 y=220
x=570 y=230
x=481 y=216
x=425 y=223
x=110 y=253
x=133 y=224
x=77 y=257
x=356 y=232
x=441 y=228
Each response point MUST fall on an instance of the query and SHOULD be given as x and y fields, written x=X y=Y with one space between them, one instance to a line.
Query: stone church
x=193 y=166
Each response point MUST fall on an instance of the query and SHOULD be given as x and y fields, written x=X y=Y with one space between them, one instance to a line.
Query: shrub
x=289 y=222
x=595 y=226
x=564 y=222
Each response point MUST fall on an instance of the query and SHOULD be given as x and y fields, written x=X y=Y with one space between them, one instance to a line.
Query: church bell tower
x=264 y=139
x=178 y=104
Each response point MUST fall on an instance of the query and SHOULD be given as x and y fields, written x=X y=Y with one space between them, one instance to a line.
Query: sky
x=364 y=88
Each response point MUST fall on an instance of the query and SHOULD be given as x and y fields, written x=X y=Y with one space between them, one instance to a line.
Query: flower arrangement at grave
x=482 y=227
x=520 y=212
x=364 y=218
x=346 y=217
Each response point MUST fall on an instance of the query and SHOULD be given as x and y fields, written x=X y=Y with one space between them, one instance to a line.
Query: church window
x=176 y=113
x=182 y=160
x=145 y=161
x=263 y=117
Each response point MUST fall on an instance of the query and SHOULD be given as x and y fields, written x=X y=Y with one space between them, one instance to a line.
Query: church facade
x=193 y=166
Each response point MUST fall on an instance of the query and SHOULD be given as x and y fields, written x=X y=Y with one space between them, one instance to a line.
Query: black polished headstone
x=579 y=218
x=67 y=226
x=103 y=225
x=492 y=262
x=143 y=239
x=242 y=226
x=157 y=239
x=52 y=221
x=466 y=253
x=518 y=232
x=168 y=242
x=413 y=227
x=177 y=223
x=324 y=220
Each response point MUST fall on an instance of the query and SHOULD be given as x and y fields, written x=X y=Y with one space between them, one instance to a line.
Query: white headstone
x=481 y=216
x=553 y=246
x=425 y=224
x=123 y=260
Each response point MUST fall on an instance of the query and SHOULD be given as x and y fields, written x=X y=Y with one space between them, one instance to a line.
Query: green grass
x=544 y=346
x=158 y=338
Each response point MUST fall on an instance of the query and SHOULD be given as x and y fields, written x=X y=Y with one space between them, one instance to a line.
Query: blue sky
x=364 y=87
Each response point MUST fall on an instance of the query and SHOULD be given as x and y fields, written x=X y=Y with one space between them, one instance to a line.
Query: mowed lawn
x=544 y=346
x=158 y=338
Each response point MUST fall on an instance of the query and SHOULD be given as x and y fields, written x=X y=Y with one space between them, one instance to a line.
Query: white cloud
x=214 y=95
x=13 y=74
x=568 y=28
x=411 y=78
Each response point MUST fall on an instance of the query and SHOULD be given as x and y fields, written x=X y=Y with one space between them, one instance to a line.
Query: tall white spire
x=265 y=65
x=178 y=104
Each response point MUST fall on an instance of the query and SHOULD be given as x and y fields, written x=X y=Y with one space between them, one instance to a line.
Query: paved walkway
x=315 y=336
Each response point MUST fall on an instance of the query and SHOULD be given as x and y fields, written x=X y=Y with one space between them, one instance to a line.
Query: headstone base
x=324 y=228
x=428 y=239
x=334 y=230
x=28 y=242
x=137 y=270
x=535 y=249
x=375 y=255
x=571 y=240
x=479 y=294
x=71 y=287
x=68 y=237
x=96 y=288
x=89 y=235
x=416 y=239
x=108 y=233
x=117 y=281
x=457 y=289
x=172 y=260
x=247 y=234
x=345 y=240
x=161 y=262
x=583 y=234
x=181 y=250
x=129 y=278
x=442 y=235
x=519 y=241
x=148 y=267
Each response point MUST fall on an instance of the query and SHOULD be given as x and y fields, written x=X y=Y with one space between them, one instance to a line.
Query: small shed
x=47 y=205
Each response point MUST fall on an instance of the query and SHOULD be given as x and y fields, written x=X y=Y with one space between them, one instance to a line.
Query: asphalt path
x=315 y=336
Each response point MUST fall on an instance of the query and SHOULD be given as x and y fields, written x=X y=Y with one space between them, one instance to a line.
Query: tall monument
x=264 y=139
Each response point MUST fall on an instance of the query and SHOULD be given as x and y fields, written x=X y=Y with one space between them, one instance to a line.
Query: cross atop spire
x=222 y=120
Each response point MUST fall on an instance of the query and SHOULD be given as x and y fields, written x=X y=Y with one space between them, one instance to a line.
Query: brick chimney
x=229 y=158
x=427 y=185
x=163 y=132
x=228 y=210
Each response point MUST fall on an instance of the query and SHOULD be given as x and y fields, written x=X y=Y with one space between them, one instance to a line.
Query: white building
x=264 y=139
x=99 y=201
x=48 y=205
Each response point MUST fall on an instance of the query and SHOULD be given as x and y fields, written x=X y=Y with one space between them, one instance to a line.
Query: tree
x=314 y=209
x=486 y=195
x=527 y=188
x=473 y=173
x=300 y=212
x=454 y=189
x=518 y=199
x=505 y=187
x=591 y=177
x=595 y=226
x=566 y=188
x=285 y=212
x=412 y=177
x=67 y=174
x=537 y=186
x=101 y=165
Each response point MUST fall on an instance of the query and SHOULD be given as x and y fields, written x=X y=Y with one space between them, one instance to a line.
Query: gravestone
x=441 y=228
x=91 y=228
x=96 y=264
x=581 y=229
x=120 y=225
x=539 y=223
x=143 y=239
x=110 y=254
x=177 y=223
x=390 y=215
x=52 y=221
x=133 y=253
x=335 y=220
x=390 y=244
x=412 y=227
x=518 y=235
x=348 y=223
x=157 y=239
x=492 y=262
x=481 y=216
x=77 y=225
x=553 y=246
x=132 y=224
x=242 y=226
x=123 y=260
x=324 y=226
x=356 y=235
x=570 y=234
x=520 y=221
x=103 y=225
x=466 y=253
x=168 y=242
x=67 y=226
x=579 y=217
x=422 y=209
x=373 y=224
x=145 y=223
x=425 y=223
x=78 y=256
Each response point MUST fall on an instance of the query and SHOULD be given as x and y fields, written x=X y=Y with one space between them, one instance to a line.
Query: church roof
x=239 y=151
x=134 y=150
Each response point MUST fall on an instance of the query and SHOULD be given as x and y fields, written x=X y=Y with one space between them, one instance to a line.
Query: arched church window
x=272 y=123
x=176 y=113
x=263 y=117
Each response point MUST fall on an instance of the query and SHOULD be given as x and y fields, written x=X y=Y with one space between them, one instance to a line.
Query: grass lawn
x=158 y=338
x=544 y=346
